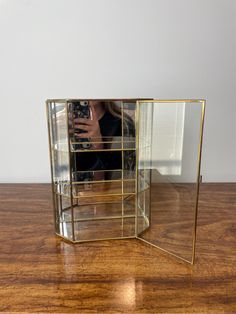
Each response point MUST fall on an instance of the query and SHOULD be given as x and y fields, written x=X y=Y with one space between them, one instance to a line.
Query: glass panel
x=96 y=220
x=116 y=174
x=58 y=130
x=64 y=210
x=168 y=174
x=114 y=143
x=128 y=122
x=59 y=141
x=105 y=229
x=144 y=166
x=121 y=209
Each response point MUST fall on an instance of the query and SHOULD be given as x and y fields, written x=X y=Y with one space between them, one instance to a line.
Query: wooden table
x=41 y=273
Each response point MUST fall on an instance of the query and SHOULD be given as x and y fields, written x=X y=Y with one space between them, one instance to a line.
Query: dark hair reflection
x=104 y=129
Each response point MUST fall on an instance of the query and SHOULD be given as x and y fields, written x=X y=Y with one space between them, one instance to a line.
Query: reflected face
x=94 y=102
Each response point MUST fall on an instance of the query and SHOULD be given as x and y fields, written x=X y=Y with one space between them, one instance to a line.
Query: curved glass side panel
x=59 y=152
x=168 y=175
x=59 y=142
x=144 y=166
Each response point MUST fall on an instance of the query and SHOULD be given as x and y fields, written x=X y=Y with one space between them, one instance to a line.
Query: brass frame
x=55 y=194
x=203 y=105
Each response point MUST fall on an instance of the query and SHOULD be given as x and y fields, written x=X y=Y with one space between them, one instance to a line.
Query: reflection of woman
x=105 y=124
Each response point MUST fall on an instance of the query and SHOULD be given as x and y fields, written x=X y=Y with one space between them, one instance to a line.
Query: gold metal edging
x=105 y=142
x=55 y=134
x=51 y=167
x=101 y=195
x=128 y=200
x=137 y=122
x=165 y=251
x=99 y=218
x=105 y=239
x=102 y=150
x=150 y=174
x=102 y=181
x=93 y=240
x=171 y=100
x=100 y=170
x=89 y=99
x=122 y=163
x=198 y=181
x=202 y=101
x=70 y=167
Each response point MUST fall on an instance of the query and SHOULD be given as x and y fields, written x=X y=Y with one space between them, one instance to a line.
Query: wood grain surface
x=39 y=273
x=172 y=218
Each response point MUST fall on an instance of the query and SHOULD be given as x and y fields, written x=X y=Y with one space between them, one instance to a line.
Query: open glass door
x=169 y=141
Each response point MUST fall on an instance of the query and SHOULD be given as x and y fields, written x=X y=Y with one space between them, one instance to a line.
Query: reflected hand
x=91 y=128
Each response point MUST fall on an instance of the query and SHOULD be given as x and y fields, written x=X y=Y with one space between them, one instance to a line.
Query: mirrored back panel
x=169 y=149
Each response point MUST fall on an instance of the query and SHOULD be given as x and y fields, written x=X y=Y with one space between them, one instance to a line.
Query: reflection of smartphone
x=81 y=109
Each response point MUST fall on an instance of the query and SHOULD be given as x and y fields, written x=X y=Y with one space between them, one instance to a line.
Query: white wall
x=114 y=48
x=176 y=134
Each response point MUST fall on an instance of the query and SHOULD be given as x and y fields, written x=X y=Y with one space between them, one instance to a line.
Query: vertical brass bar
x=56 y=162
x=137 y=124
x=59 y=197
x=51 y=167
x=122 y=172
x=203 y=105
x=150 y=174
x=144 y=148
x=70 y=171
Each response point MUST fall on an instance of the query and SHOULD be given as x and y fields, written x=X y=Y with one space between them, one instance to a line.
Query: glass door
x=169 y=142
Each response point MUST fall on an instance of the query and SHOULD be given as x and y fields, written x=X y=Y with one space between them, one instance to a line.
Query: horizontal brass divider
x=97 y=181
x=98 y=218
x=97 y=195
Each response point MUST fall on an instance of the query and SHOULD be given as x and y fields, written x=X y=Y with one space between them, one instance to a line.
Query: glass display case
x=127 y=168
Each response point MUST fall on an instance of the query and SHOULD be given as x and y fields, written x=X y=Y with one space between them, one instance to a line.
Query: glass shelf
x=99 y=189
